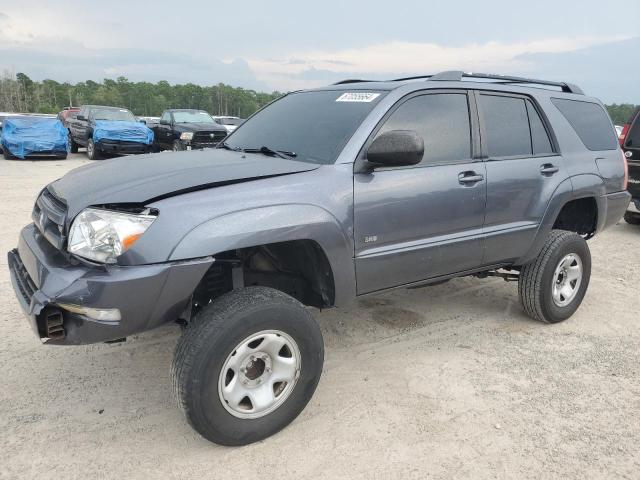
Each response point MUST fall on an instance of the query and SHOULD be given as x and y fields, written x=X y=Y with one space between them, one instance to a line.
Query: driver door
x=424 y=221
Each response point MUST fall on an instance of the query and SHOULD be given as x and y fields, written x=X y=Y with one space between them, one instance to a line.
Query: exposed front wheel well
x=298 y=268
x=579 y=216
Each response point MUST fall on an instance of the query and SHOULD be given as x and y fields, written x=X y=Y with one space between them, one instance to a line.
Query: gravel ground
x=451 y=381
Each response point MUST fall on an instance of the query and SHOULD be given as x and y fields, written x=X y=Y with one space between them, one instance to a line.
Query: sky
x=288 y=45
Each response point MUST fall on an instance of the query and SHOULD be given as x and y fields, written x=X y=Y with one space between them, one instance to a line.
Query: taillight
x=626 y=171
x=623 y=135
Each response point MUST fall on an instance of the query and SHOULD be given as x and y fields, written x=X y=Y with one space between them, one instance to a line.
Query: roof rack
x=352 y=80
x=458 y=76
x=455 y=75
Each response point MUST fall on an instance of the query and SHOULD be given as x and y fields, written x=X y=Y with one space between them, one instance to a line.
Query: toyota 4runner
x=322 y=196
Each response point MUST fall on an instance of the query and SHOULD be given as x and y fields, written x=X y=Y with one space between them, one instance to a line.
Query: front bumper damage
x=147 y=296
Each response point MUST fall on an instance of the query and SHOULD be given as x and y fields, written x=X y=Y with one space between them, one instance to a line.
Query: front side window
x=442 y=120
x=506 y=125
x=315 y=125
x=166 y=117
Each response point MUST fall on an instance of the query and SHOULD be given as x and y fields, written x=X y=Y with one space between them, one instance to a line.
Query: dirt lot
x=452 y=381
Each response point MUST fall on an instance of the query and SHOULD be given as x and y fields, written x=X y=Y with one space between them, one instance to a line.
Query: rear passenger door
x=424 y=221
x=523 y=171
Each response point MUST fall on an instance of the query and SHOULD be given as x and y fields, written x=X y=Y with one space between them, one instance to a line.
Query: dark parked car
x=323 y=196
x=187 y=129
x=630 y=141
x=108 y=131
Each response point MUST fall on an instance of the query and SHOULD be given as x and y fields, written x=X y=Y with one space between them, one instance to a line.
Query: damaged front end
x=69 y=302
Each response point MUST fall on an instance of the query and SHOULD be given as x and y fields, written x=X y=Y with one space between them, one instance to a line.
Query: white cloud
x=397 y=57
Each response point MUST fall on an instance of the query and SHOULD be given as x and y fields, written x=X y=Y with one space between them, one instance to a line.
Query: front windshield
x=315 y=125
x=192 y=117
x=120 y=114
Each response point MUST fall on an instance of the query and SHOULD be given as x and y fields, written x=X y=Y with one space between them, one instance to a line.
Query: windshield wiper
x=226 y=146
x=270 y=151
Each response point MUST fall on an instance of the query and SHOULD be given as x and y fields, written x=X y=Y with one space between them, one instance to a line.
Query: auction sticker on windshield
x=357 y=97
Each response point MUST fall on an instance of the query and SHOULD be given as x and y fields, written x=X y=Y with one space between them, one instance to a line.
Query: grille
x=49 y=214
x=206 y=137
x=634 y=179
x=25 y=284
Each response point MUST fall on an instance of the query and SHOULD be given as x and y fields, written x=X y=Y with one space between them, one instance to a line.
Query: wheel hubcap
x=567 y=279
x=259 y=374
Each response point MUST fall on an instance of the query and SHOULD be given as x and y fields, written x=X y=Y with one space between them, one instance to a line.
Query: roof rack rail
x=352 y=80
x=455 y=75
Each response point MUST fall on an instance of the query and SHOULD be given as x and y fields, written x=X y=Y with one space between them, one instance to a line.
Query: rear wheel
x=92 y=151
x=552 y=287
x=6 y=154
x=247 y=365
x=632 y=218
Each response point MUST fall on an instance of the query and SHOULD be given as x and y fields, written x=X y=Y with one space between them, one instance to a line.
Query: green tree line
x=19 y=93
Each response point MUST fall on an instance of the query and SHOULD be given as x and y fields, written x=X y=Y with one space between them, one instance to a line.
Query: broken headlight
x=103 y=235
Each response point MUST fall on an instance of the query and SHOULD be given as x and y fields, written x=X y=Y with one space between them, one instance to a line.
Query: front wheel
x=92 y=151
x=247 y=365
x=552 y=287
x=632 y=218
x=73 y=146
x=177 y=146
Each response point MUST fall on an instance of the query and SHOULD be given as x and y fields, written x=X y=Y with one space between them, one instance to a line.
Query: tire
x=632 y=218
x=562 y=252
x=210 y=343
x=6 y=154
x=92 y=151
x=73 y=146
x=177 y=146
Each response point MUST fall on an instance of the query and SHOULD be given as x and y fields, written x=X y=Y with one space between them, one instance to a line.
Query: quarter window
x=442 y=120
x=590 y=121
x=506 y=126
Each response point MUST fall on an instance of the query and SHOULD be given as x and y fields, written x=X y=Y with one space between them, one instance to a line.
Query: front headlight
x=186 y=135
x=103 y=235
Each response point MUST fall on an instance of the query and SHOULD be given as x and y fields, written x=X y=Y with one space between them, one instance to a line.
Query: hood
x=122 y=131
x=198 y=127
x=141 y=178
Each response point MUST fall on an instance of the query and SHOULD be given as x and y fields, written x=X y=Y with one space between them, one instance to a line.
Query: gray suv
x=323 y=196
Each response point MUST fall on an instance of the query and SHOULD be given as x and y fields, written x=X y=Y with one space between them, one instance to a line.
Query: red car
x=66 y=114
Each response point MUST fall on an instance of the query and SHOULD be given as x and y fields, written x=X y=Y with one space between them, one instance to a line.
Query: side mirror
x=395 y=149
x=81 y=117
x=165 y=122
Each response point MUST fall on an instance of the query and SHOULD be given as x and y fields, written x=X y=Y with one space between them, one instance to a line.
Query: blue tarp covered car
x=122 y=131
x=34 y=136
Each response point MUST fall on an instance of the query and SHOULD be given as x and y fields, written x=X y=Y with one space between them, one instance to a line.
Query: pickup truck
x=187 y=129
x=323 y=196
x=630 y=142
x=119 y=132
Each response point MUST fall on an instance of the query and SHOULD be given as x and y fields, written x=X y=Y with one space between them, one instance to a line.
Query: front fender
x=271 y=224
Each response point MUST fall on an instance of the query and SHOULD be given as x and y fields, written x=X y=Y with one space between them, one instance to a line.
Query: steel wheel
x=260 y=374
x=567 y=279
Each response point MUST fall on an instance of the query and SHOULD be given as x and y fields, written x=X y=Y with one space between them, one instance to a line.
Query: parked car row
x=112 y=131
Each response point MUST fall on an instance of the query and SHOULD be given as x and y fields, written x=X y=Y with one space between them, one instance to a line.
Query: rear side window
x=539 y=135
x=506 y=126
x=442 y=119
x=590 y=122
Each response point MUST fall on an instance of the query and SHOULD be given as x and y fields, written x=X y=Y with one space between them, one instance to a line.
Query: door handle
x=466 y=178
x=548 y=169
